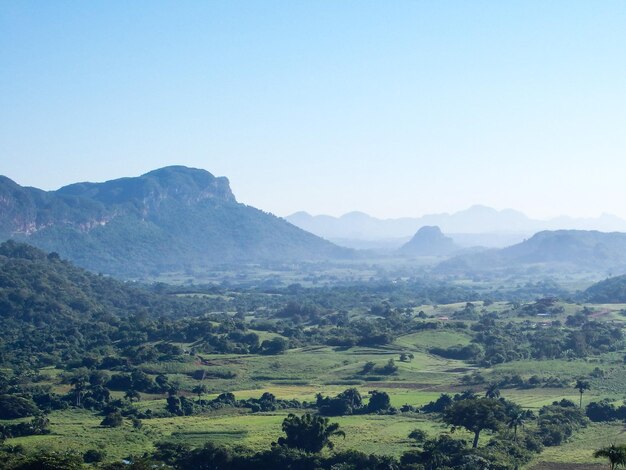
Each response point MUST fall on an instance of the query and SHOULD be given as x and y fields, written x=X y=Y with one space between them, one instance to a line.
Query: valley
x=224 y=365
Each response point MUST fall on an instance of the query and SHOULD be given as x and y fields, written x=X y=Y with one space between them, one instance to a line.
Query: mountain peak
x=428 y=241
x=429 y=230
x=175 y=182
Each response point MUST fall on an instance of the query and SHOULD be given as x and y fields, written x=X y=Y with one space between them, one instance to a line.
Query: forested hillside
x=54 y=312
x=169 y=220
x=609 y=291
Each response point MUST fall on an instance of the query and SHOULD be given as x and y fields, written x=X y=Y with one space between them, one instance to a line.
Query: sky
x=393 y=108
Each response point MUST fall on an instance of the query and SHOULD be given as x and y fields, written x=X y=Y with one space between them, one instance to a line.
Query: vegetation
x=174 y=219
x=616 y=455
x=309 y=433
x=96 y=371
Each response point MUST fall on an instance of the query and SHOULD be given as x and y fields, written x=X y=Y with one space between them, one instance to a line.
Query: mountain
x=567 y=249
x=477 y=225
x=609 y=291
x=428 y=241
x=168 y=220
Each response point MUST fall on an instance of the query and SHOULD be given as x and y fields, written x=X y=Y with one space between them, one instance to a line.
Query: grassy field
x=580 y=448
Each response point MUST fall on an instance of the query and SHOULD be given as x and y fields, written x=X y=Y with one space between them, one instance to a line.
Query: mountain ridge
x=578 y=250
x=500 y=227
x=170 y=219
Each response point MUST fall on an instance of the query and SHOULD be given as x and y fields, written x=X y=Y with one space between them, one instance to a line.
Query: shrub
x=112 y=420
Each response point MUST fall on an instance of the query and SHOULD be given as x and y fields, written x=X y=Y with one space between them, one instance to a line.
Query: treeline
x=516 y=436
x=495 y=341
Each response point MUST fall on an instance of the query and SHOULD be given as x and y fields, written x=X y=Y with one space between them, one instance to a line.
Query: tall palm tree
x=518 y=419
x=582 y=385
x=615 y=454
x=79 y=383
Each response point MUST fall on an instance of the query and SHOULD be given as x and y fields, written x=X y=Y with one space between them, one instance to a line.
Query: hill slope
x=609 y=291
x=50 y=308
x=567 y=249
x=171 y=219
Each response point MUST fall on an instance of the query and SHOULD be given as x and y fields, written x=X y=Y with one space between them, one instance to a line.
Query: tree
x=379 y=401
x=52 y=461
x=389 y=368
x=12 y=407
x=112 y=420
x=352 y=396
x=275 y=345
x=516 y=420
x=93 y=456
x=132 y=395
x=209 y=457
x=162 y=382
x=200 y=390
x=369 y=366
x=475 y=415
x=418 y=435
x=615 y=454
x=79 y=383
x=406 y=357
x=582 y=385
x=346 y=403
x=309 y=433
x=493 y=391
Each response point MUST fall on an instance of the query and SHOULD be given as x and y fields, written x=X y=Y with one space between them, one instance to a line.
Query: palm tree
x=79 y=382
x=308 y=432
x=493 y=391
x=582 y=385
x=615 y=454
x=518 y=419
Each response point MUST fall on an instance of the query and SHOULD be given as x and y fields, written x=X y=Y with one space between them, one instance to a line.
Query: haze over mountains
x=172 y=219
x=428 y=241
x=562 y=250
x=184 y=220
x=475 y=226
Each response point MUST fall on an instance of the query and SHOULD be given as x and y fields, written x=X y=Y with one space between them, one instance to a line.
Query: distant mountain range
x=168 y=220
x=478 y=225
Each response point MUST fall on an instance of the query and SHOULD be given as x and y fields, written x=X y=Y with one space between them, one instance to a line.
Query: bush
x=93 y=456
x=418 y=435
x=113 y=420
x=379 y=401
x=605 y=411
x=12 y=407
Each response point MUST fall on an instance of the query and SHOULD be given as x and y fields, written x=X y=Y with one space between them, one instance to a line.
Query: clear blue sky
x=392 y=108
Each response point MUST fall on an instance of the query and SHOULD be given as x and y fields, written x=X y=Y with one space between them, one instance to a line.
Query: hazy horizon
x=341 y=214
x=454 y=211
x=395 y=109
